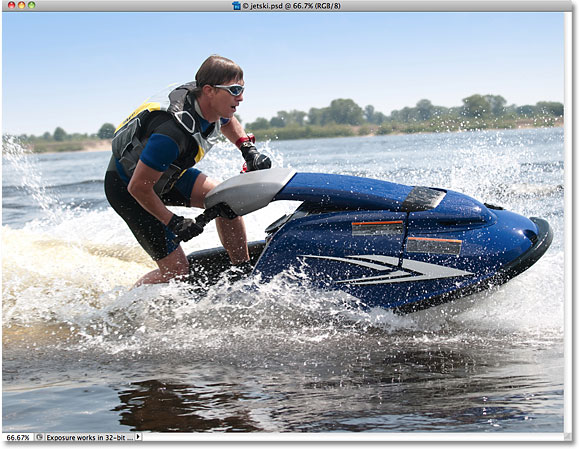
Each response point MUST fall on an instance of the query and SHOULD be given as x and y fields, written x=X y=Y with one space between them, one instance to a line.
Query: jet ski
x=393 y=246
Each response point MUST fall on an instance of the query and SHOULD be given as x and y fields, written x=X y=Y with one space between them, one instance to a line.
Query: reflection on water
x=157 y=406
x=374 y=382
x=407 y=390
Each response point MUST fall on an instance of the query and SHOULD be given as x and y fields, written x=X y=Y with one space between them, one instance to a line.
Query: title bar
x=285 y=6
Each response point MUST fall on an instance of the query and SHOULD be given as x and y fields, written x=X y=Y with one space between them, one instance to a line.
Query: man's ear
x=207 y=90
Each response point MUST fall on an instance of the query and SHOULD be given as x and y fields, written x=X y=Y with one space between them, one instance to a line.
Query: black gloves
x=185 y=229
x=254 y=159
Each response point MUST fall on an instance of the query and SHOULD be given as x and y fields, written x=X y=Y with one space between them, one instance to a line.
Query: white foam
x=75 y=267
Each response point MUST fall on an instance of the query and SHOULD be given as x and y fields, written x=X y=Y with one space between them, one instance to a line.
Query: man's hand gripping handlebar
x=186 y=229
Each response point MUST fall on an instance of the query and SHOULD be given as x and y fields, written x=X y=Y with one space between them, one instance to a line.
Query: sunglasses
x=234 y=89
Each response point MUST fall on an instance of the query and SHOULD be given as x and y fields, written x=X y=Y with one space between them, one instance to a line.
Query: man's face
x=224 y=103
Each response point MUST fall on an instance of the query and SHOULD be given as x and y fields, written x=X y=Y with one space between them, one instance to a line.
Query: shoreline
x=398 y=129
x=519 y=127
x=79 y=146
x=105 y=144
x=101 y=146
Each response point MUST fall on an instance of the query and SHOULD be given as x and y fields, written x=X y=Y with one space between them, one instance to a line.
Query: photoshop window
x=230 y=221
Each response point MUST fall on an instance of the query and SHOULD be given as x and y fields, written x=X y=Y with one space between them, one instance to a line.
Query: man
x=154 y=151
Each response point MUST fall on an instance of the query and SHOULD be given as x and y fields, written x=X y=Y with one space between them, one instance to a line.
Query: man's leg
x=170 y=267
x=231 y=232
x=149 y=232
x=233 y=237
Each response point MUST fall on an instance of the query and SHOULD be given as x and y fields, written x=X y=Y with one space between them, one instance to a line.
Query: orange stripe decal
x=377 y=223
x=434 y=239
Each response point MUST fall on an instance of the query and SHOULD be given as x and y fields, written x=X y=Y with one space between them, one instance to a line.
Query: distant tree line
x=61 y=141
x=344 y=117
x=59 y=135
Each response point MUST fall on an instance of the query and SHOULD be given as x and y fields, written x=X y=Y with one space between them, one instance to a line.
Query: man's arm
x=141 y=188
x=233 y=130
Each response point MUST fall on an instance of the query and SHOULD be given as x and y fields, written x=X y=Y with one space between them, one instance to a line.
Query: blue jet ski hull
x=392 y=246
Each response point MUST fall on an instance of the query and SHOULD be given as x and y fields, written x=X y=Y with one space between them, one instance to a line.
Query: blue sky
x=80 y=70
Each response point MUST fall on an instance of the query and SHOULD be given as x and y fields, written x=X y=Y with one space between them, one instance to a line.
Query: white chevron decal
x=410 y=270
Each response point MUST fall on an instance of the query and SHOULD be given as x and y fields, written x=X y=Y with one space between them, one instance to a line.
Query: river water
x=82 y=352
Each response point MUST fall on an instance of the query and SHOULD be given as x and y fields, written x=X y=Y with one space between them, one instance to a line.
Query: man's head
x=219 y=87
x=217 y=70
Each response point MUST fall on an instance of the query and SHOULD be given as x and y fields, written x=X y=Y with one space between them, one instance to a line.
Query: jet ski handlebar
x=219 y=210
x=243 y=194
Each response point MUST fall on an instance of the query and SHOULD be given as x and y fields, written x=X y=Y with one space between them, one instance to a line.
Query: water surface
x=82 y=352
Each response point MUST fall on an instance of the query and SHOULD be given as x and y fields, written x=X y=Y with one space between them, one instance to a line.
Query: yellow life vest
x=128 y=141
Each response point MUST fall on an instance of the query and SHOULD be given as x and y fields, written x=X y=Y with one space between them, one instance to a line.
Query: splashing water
x=70 y=317
x=23 y=163
x=83 y=269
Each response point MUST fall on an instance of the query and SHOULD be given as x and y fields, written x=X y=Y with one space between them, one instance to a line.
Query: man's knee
x=202 y=186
